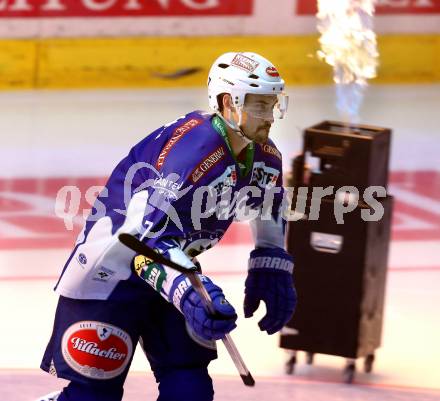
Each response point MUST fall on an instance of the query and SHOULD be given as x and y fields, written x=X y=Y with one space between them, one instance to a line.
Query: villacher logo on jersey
x=96 y=350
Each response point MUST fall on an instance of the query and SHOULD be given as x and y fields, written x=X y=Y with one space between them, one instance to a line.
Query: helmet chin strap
x=236 y=126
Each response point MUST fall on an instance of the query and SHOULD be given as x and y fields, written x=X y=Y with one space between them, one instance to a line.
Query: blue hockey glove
x=204 y=324
x=270 y=280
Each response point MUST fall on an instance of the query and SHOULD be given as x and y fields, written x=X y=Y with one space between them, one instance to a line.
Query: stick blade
x=248 y=380
x=131 y=242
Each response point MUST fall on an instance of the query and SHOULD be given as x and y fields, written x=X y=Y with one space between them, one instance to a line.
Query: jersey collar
x=244 y=166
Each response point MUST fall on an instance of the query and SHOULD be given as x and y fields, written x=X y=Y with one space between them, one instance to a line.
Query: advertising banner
x=123 y=8
x=383 y=7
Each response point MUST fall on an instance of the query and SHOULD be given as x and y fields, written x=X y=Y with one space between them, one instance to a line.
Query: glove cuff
x=182 y=287
x=270 y=259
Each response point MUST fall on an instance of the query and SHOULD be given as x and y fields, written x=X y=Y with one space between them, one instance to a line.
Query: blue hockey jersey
x=178 y=190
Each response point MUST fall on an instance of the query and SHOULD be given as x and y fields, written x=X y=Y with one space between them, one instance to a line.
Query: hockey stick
x=134 y=244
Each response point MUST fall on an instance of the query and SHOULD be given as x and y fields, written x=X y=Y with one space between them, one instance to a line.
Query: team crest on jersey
x=264 y=176
x=96 y=350
x=195 y=243
x=226 y=180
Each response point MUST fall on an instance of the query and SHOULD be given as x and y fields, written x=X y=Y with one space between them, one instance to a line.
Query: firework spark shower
x=348 y=44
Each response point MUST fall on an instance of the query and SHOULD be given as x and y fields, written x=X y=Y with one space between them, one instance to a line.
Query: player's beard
x=262 y=134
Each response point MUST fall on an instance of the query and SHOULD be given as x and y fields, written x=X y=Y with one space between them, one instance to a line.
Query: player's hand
x=270 y=280
x=204 y=324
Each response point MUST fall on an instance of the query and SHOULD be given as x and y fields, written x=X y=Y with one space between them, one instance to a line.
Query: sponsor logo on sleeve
x=271 y=151
x=245 y=63
x=96 y=350
x=263 y=176
x=207 y=164
x=168 y=187
x=140 y=261
x=151 y=272
x=178 y=134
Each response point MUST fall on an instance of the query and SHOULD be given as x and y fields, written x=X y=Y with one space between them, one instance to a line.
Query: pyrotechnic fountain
x=348 y=44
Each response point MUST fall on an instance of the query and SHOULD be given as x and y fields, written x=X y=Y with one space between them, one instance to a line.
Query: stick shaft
x=227 y=339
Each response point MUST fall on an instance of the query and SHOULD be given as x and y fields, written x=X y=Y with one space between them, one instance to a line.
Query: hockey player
x=177 y=190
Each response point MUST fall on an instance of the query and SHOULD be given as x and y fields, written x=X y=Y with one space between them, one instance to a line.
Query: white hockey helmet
x=245 y=73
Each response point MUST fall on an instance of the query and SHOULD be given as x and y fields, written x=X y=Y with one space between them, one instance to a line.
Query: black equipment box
x=340 y=269
x=340 y=275
x=352 y=155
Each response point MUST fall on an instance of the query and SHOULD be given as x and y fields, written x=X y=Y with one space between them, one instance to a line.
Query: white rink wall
x=57 y=128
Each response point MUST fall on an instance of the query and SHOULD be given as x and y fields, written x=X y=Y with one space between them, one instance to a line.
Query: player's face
x=257 y=116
